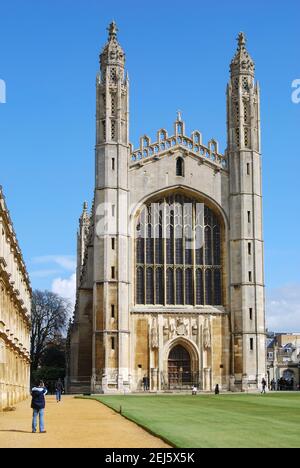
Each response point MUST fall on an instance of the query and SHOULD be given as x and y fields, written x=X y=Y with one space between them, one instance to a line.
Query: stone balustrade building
x=170 y=275
x=15 y=308
x=283 y=361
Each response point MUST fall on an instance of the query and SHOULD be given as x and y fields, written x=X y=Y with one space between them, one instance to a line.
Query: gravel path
x=73 y=423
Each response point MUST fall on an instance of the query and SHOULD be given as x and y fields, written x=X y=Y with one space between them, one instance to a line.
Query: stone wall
x=15 y=309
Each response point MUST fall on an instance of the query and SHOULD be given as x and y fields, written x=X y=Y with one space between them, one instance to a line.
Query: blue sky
x=178 y=56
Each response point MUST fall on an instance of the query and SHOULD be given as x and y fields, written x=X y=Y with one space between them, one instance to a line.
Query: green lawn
x=233 y=420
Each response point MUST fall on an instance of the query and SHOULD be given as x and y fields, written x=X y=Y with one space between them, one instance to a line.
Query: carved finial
x=242 y=63
x=242 y=40
x=179 y=116
x=85 y=206
x=113 y=30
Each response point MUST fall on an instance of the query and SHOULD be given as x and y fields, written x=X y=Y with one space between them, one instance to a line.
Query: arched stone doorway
x=179 y=367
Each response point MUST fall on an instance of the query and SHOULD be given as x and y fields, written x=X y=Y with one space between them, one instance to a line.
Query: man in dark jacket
x=38 y=405
x=58 y=390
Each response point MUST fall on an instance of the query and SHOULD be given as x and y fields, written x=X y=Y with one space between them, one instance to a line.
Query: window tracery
x=178 y=254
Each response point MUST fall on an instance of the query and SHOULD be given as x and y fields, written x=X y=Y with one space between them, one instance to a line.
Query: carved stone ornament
x=154 y=334
x=206 y=335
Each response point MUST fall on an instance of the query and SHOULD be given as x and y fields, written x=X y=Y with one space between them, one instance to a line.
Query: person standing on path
x=38 y=404
x=58 y=390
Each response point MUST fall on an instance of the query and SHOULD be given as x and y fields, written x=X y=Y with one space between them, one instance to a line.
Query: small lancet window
x=180 y=167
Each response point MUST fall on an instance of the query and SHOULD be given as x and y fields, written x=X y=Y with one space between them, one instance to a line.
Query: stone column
x=207 y=379
x=154 y=378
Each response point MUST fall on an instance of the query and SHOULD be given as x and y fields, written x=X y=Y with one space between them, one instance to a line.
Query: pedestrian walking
x=59 y=388
x=217 y=390
x=145 y=383
x=264 y=386
x=38 y=404
x=273 y=385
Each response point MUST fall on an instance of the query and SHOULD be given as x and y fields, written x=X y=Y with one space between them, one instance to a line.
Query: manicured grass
x=233 y=420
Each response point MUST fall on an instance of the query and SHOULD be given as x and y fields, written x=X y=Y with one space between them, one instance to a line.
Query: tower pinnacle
x=242 y=63
x=242 y=40
x=113 y=30
x=112 y=53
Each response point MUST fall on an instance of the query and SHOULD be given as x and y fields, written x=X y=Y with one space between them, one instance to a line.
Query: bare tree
x=50 y=314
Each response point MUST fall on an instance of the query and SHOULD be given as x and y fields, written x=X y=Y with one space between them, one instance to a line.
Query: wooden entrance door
x=179 y=367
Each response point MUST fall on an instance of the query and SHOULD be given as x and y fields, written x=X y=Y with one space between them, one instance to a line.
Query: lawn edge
x=142 y=426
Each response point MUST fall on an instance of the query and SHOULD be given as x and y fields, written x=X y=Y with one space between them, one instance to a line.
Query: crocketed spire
x=242 y=63
x=112 y=54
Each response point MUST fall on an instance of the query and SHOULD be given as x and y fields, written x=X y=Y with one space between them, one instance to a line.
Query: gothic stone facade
x=15 y=309
x=170 y=278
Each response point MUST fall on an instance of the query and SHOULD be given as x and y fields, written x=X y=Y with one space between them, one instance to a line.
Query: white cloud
x=67 y=262
x=65 y=288
x=43 y=273
x=283 y=309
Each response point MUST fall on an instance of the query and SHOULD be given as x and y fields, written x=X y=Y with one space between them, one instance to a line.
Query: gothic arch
x=180 y=167
x=180 y=189
x=188 y=345
x=194 y=273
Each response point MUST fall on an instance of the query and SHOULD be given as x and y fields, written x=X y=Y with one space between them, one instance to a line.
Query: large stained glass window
x=178 y=254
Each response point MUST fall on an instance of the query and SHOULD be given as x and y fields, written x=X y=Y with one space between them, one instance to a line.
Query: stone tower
x=110 y=289
x=246 y=238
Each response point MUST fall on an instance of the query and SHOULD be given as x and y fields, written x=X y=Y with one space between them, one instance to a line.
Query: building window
x=237 y=136
x=112 y=311
x=251 y=344
x=249 y=216
x=103 y=130
x=179 y=286
x=113 y=104
x=113 y=130
x=140 y=286
x=248 y=169
x=178 y=254
x=150 y=286
x=159 y=283
x=113 y=164
x=251 y=313
x=249 y=248
x=113 y=243
x=180 y=167
x=113 y=344
x=113 y=74
x=250 y=276
x=246 y=132
x=113 y=273
x=170 y=286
